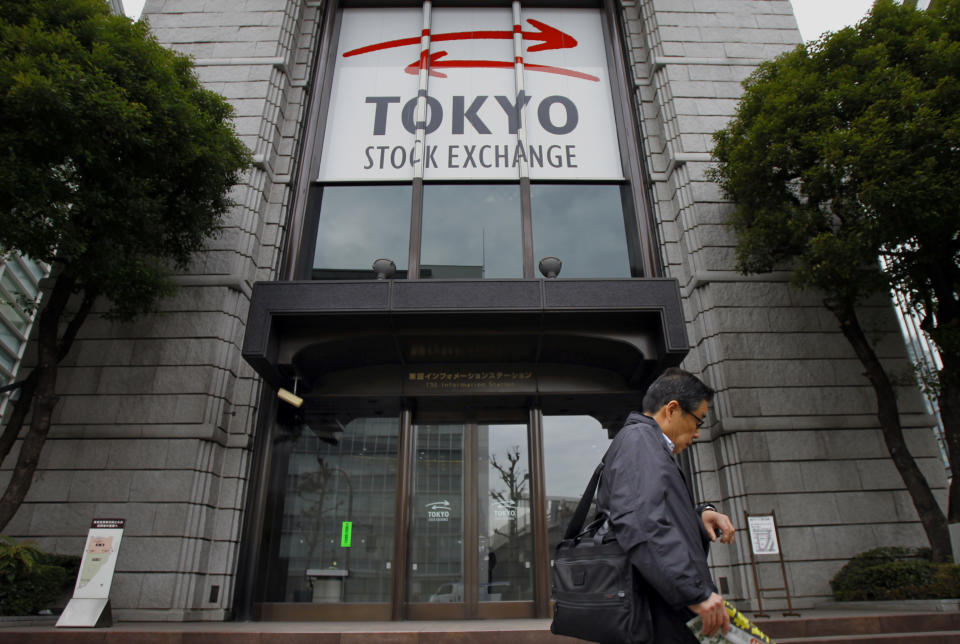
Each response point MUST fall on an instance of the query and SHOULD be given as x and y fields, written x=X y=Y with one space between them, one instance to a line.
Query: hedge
x=895 y=573
x=31 y=579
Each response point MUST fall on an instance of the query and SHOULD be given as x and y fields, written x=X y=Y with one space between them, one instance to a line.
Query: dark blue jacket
x=653 y=515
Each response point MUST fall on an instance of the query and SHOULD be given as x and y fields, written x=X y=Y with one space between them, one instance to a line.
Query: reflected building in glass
x=19 y=297
x=455 y=400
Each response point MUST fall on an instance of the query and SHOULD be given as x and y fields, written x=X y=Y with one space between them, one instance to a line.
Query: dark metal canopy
x=558 y=343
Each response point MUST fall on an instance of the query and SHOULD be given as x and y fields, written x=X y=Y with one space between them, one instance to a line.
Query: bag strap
x=580 y=514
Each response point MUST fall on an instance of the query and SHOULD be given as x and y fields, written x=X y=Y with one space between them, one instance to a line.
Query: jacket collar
x=637 y=418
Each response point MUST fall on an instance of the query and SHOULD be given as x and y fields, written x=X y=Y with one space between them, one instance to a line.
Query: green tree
x=846 y=150
x=115 y=167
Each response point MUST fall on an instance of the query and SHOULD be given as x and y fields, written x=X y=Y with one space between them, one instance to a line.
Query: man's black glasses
x=700 y=421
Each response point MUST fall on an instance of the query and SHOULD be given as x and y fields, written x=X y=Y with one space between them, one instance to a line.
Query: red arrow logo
x=435 y=62
x=550 y=37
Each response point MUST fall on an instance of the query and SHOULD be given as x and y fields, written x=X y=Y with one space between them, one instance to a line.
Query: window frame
x=642 y=245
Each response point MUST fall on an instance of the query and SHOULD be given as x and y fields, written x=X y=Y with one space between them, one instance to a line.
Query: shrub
x=946 y=580
x=895 y=573
x=70 y=563
x=31 y=579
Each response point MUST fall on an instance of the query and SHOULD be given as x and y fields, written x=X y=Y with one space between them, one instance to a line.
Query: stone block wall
x=155 y=419
x=793 y=429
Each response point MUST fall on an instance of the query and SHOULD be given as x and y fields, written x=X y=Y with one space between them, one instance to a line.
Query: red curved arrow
x=551 y=39
x=414 y=67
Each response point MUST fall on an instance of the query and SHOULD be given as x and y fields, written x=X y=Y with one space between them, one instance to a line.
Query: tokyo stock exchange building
x=473 y=234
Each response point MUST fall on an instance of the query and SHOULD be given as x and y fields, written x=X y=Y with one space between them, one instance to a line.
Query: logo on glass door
x=506 y=509
x=438 y=511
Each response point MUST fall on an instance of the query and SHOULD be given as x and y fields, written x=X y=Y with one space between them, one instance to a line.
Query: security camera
x=289 y=397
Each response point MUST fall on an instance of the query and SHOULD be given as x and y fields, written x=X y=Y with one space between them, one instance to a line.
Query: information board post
x=90 y=605
x=764 y=541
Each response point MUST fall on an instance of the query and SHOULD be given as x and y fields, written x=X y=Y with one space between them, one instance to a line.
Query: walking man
x=652 y=512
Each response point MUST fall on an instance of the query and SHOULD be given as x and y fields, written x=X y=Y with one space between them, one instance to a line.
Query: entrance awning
x=540 y=340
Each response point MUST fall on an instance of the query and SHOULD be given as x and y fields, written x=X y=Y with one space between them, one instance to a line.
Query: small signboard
x=764 y=541
x=763 y=534
x=346 y=534
x=90 y=605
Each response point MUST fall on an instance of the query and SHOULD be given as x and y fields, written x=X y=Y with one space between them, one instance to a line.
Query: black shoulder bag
x=596 y=590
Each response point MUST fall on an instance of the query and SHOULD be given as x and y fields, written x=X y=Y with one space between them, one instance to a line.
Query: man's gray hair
x=676 y=384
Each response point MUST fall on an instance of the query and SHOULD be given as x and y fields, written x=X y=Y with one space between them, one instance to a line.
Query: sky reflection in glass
x=582 y=224
x=359 y=224
x=572 y=447
x=471 y=231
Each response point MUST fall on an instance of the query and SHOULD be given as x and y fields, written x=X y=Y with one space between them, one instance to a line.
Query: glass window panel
x=358 y=225
x=8 y=352
x=583 y=226
x=336 y=541
x=571 y=125
x=436 y=515
x=35 y=268
x=572 y=448
x=26 y=284
x=367 y=137
x=28 y=273
x=506 y=536
x=476 y=137
x=471 y=231
x=10 y=306
x=8 y=338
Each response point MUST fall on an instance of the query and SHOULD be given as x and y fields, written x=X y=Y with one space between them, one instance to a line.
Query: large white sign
x=473 y=113
x=90 y=604
x=99 y=559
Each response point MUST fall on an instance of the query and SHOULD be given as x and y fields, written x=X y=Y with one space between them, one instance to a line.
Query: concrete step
x=879 y=624
x=213 y=636
x=941 y=637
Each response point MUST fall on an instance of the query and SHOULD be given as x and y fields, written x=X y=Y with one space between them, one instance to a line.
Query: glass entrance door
x=470 y=537
x=437 y=516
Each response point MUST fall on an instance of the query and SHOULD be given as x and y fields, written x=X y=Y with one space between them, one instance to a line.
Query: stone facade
x=156 y=418
x=794 y=427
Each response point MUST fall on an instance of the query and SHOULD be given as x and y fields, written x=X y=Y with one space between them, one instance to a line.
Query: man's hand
x=717 y=523
x=714 y=614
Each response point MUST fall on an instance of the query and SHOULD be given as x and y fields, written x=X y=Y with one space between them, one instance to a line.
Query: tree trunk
x=942 y=324
x=22 y=405
x=17 y=416
x=43 y=382
x=950 y=416
x=888 y=413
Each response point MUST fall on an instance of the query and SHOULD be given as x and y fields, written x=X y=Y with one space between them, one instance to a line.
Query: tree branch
x=73 y=327
x=20 y=408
